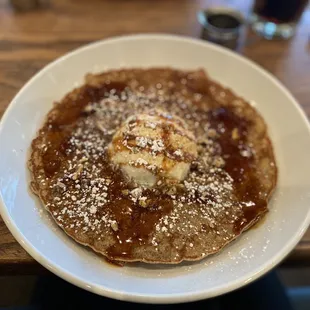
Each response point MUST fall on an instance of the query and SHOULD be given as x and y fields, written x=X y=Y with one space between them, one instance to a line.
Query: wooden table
x=28 y=41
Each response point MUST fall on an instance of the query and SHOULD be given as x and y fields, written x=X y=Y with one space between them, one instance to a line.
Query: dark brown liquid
x=223 y=21
x=280 y=11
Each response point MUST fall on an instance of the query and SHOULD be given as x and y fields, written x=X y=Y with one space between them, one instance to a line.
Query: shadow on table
x=54 y=293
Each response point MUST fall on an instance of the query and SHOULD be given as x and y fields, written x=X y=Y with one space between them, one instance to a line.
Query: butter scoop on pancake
x=153 y=145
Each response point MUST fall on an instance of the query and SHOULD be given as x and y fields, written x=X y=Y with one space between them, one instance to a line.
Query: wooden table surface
x=28 y=41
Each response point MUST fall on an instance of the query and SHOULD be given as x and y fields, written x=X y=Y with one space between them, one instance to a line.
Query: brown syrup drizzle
x=240 y=168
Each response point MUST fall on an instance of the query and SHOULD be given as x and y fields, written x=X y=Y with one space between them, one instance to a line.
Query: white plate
x=253 y=254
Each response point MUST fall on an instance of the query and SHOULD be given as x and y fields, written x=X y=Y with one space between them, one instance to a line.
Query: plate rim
x=136 y=297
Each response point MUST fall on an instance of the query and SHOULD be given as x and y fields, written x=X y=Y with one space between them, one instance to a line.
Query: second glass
x=276 y=18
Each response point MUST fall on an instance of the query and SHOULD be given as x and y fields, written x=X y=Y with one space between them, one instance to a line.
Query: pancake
x=132 y=192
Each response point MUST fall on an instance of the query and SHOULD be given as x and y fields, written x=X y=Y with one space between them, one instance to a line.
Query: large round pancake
x=225 y=193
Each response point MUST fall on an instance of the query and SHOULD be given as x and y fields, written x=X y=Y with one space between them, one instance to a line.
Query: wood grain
x=28 y=41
